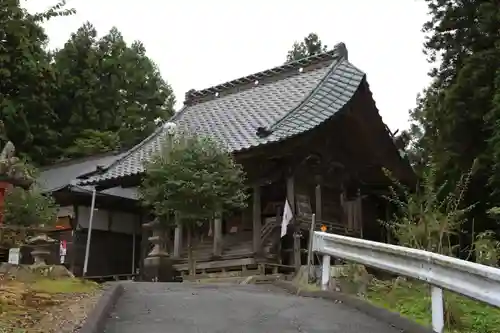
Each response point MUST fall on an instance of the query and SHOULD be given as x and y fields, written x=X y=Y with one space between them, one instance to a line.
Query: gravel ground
x=68 y=316
x=22 y=311
x=184 y=307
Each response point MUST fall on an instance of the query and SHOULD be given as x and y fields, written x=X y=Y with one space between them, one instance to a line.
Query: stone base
x=159 y=269
x=39 y=257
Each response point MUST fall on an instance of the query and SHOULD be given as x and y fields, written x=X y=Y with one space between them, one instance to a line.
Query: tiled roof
x=64 y=175
x=60 y=175
x=269 y=106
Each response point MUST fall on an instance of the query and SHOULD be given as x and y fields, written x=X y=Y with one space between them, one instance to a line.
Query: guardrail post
x=437 y=309
x=325 y=273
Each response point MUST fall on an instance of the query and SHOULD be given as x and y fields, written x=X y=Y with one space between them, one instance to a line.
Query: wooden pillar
x=317 y=194
x=359 y=207
x=218 y=235
x=297 y=262
x=290 y=192
x=74 y=240
x=144 y=247
x=256 y=218
x=279 y=218
x=137 y=229
x=177 y=237
x=290 y=195
x=318 y=221
x=166 y=239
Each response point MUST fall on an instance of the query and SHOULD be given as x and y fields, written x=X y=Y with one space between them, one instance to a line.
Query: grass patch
x=64 y=286
x=413 y=300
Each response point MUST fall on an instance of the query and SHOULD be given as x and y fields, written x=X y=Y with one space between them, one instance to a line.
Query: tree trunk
x=191 y=263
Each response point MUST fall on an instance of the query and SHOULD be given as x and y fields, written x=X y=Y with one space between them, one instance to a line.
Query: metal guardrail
x=473 y=280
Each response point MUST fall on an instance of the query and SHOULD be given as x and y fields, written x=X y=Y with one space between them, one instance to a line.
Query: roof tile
x=289 y=104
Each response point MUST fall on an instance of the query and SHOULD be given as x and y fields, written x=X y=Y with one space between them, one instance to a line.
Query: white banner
x=287 y=217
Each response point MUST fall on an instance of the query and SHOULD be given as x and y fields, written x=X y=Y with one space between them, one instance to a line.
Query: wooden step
x=219 y=265
x=225 y=256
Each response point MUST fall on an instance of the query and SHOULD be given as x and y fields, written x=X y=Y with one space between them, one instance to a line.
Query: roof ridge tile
x=196 y=96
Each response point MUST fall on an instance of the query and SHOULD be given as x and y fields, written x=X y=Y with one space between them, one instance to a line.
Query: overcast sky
x=201 y=43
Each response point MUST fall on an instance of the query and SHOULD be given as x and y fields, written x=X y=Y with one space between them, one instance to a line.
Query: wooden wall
x=110 y=253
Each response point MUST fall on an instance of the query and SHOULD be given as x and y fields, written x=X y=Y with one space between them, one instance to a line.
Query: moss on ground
x=64 y=286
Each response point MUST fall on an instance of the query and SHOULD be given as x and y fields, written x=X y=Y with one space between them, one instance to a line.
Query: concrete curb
x=391 y=318
x=96 y=319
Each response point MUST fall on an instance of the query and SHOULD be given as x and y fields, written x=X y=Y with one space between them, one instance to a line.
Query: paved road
x=190 y=308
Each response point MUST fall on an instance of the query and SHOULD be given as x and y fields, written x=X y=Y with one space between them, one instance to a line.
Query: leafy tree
x=110 y=94
x=74 y=103
x=311 y=45
x=94 y=94
x=194 y=178
x=91 y=141
x=457 y=118
x=29 y=208
x=27 y=79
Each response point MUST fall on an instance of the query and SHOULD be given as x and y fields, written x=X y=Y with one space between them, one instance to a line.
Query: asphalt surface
x=194 y=308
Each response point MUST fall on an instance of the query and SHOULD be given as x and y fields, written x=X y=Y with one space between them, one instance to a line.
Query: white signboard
x=14 y=256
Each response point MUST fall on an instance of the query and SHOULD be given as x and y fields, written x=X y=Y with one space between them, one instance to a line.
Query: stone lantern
x=41 y=248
